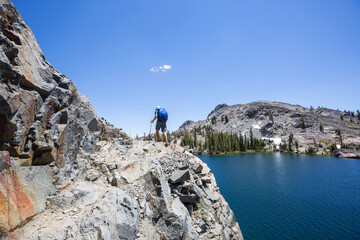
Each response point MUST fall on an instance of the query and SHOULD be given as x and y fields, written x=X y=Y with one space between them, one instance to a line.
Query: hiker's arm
x=154 y=118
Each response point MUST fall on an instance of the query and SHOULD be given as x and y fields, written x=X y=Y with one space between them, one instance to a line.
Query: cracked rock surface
x=133 y=197
x=66 y=173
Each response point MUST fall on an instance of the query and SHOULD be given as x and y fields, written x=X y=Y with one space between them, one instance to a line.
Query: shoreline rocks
x=347 y=153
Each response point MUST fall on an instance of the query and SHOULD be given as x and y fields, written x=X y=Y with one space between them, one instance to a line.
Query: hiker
x=161 y=115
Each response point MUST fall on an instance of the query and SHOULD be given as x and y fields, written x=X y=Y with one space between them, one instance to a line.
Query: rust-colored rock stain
x=29 y=77
x=4 y=208
x=128 y=167
x=14 y=235
x=15 y=205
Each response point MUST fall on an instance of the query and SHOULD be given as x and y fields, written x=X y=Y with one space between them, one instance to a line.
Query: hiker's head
x=157 y=107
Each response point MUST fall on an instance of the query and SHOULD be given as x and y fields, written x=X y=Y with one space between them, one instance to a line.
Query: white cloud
x=162 y=68
x=166 y=67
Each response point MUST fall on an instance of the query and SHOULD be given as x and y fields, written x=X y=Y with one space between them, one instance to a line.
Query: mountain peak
x=224 y=105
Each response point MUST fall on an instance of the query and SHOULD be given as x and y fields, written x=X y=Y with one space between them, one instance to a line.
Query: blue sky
x=230 y=51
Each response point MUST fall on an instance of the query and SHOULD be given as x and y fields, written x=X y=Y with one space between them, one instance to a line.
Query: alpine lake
x=290 y=196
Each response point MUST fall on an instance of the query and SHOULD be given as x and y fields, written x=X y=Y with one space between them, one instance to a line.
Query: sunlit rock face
x=66 y=173
x=275 y=121
x=43 y=116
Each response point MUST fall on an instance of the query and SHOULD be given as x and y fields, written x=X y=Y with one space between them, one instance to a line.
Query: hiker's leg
x=163 y=129
x=165 y=136
x=157 y=128
x=157 y=135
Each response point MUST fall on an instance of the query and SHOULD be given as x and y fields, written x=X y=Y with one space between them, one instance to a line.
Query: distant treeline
x=350 y=114
x=353 y=114
x=219 y=142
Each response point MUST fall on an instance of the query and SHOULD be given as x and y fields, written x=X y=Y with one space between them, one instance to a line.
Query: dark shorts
x=161 y=125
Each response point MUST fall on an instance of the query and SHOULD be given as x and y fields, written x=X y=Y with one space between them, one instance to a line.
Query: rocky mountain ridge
x=318 y=128
x=134 y=190
x=65 y=173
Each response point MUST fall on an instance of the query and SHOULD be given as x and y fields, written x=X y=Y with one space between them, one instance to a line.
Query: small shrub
x=332 y=148
x=311 y=151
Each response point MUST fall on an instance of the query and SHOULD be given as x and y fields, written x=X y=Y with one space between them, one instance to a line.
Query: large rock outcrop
x=65 y=173
x=43 y=118
x=124 y=191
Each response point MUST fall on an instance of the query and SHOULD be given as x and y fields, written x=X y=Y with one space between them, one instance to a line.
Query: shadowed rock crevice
x=11 y=36
x=66 y=173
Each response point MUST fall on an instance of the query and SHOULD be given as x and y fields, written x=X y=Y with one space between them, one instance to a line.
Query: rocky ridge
x=275 y=121
x=138 y=190
x=66 y=173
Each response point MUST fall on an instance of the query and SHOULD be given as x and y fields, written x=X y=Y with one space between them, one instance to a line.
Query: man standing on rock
x=162 y=116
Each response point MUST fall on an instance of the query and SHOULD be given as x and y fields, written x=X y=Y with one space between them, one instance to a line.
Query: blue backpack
x=163 y=115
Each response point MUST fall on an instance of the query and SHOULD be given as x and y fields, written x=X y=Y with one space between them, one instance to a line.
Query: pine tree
x=213 y=120
x=271 y=116
x=291 y=137
x=251 y=139
x=321 y=128
x=338 y=132
x=195 y=140
x=207 y=145
x=200 y=147
x=221 y=142
x=303 y=126
x=241 y=143
x=226 y=119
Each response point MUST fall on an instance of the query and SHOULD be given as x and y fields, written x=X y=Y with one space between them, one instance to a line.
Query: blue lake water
x=285 y=196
